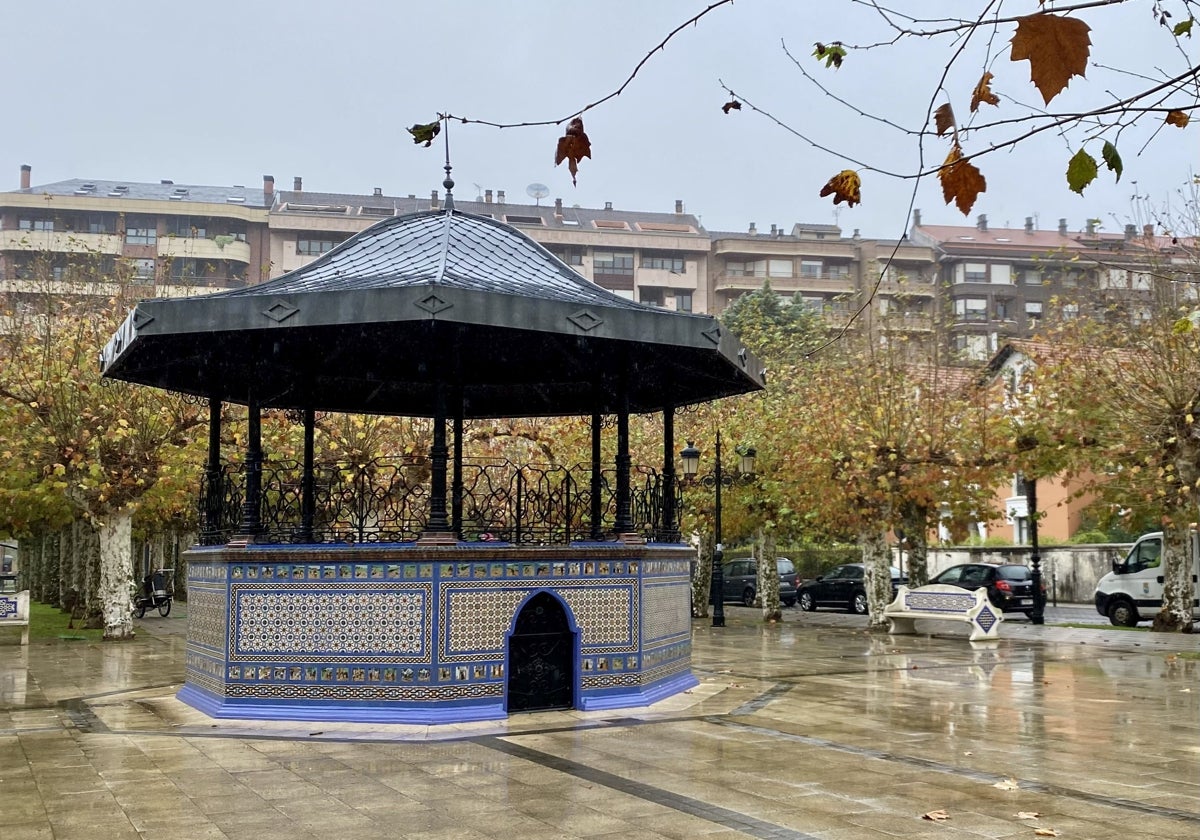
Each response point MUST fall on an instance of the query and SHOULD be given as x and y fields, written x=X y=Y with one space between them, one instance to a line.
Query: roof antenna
x=449 y=182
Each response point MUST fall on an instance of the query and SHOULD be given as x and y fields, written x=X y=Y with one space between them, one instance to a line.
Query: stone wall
x=1070 y=571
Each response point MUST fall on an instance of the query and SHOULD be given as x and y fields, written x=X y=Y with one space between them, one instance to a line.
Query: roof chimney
x=433 y=200
x=1062 y=227
x=1130 y=232
x=487 y=196
x=774 y=231
x=297 y=184
x=608 y=205
x=981 y=223
x=378 y=192
x=269 y=188
x=679 y=207
x=499 y=196
x=1148 y=231
x=753 y=229
x=916 y=218
x=1029 y=224
x=1091 y=227
x=26 y=171
x=166 y=182
x=558 y=207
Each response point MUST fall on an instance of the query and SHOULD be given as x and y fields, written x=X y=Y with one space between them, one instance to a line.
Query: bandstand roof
x=427 y=299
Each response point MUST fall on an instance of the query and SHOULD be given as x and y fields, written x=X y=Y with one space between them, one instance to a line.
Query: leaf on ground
x=943 y=119
x=1047 y=832
x=1007 y=784
x=1112 y=159
x=425 y=132
x=962 y=182
x=983 y=93
x=939 y=815
x=731 y=105
x=1081 y=171
x=1028 y=815
x=1056 y=47
x=1178 y=118
x=573 y=147
x=844 y=186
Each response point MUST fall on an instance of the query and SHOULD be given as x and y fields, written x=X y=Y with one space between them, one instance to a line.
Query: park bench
x=939 y=602
x=14 y=612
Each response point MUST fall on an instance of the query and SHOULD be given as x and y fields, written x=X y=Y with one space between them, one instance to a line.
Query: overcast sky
x=225 y=92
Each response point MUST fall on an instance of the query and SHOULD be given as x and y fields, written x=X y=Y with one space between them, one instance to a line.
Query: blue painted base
x=225 y=707
x=648 y=695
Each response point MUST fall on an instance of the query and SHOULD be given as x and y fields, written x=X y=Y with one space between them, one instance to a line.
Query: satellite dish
x=537 y=192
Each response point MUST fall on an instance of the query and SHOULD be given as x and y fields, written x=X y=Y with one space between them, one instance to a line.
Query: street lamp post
x=690 y=456
x=1038 y=616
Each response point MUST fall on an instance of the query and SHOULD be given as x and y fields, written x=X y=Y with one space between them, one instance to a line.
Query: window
x=971 y=309
x=238 y=231
x=813 y=303
x=1002 y=273
x=141 y=230
x=1032 y=277
x=568 y=254
x=651 y=295
x=143 y=269
x=811 y=269
x=613 y=263
x=838 y=272
x=183 y=268
x=101 y=223
x=975 y=273
x=779 y=268
x=35 y=224
x=1003 y=309
x=664 y=262
x=683 y=301
x=187 y=226
x=746 y=268
x=1070 y=311
x=313 y=247
x=1033 y=309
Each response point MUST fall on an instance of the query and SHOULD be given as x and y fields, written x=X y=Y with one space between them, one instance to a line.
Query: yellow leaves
x=573 y=147
x=982 y=93
x=1177 y=118
x=962 y=182
x=1056 y=47
x=844 y=186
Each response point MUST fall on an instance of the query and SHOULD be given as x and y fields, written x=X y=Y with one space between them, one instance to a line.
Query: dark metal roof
x=386 y=319
x=181 y=193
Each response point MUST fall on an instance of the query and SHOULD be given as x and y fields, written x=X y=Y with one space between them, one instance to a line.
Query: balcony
x=911 y=322
x=686 y=279
x=60 y=242
x=218 y=248
x=829 y=284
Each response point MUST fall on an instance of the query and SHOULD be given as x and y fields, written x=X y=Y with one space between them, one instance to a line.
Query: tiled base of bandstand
x=408 y=633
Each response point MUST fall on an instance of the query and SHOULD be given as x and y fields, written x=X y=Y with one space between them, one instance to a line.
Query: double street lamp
x=716 y=479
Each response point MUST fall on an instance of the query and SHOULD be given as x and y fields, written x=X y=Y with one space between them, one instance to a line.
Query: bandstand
x=434 y=589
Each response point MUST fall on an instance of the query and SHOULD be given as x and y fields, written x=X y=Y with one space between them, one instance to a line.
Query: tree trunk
x=1179 y=591
x=768 y=576
x=702 y=578
x=877 y=563
x=116 y=574
x=916 y=537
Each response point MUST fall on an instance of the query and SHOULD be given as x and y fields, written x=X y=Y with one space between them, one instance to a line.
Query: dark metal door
x=540 y=657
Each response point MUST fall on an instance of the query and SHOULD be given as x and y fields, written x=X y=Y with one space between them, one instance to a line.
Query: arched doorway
x=541 y=655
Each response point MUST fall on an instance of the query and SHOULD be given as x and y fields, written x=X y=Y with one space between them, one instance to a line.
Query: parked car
x=1009 y=585
x=843 y=587
x=741 y=581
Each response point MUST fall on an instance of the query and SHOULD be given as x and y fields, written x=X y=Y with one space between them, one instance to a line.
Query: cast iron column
x=308 y=485
x=214 y=493
x=252 y=506
x=718 y=573
x=438 y=522
x=596 y=476
x=670 y=528
x=456 y=489
x=1035 y=559
x=624 y=523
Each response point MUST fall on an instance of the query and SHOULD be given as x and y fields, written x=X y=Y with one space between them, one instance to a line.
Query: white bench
x=940 y=602
x=14 y=612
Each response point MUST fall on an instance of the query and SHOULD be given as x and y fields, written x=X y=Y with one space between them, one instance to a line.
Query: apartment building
x=173 y=239
x=655 y=258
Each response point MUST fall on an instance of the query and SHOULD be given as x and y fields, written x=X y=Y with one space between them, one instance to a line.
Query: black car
x=741 y=581
x=842 y=587
x=1009 y=585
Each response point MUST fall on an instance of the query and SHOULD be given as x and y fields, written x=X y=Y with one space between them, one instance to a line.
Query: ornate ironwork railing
x=388 y=501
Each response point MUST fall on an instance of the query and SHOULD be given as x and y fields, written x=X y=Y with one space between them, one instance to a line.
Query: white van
x=1133 y=590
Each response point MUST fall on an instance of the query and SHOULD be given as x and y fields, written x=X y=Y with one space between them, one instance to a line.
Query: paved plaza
x=811 y=728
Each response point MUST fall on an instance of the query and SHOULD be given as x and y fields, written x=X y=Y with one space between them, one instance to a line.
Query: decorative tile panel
x=206 y=617
x=604 y=613
x=666 y=611
x=479 y=619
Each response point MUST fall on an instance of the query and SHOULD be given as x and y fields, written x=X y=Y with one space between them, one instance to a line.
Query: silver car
x=741 y=581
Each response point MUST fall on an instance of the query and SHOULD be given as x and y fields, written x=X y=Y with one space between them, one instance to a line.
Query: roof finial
x=449 y=182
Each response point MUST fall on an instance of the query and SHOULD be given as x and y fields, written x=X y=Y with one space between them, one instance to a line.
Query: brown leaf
x=983 y=93
x=939 y=815
x=961 y=180
x=844 y=186
x=943 y=119
x=573 y=147
x=731 y=105
x=1028 y=815
x=1047 y=832
x=1057 y=48
x=1177 y=118
x=1007 y=784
